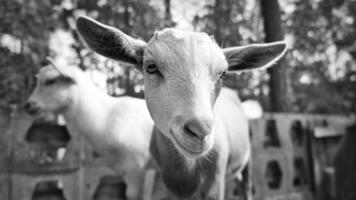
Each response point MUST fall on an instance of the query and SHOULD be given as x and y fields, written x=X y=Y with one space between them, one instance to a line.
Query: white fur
x=190 y=64
x=118 y=128
x=182 y=91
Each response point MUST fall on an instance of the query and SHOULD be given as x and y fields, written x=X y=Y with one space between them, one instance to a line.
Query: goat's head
x=54 y=90
x=183 y=75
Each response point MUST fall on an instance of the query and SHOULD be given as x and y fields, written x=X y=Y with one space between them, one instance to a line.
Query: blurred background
x=316 y=76
x=299 y=147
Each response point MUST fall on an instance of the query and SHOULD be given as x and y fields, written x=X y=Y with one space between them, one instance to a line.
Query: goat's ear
x=254 y=56
x=110 y=42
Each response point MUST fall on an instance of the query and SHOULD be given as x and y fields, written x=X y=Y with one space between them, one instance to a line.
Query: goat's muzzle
x=193 y=135
x=32 y=108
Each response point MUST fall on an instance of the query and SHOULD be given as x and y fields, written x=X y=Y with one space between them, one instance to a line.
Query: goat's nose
x=198 y=128
x=31 y=107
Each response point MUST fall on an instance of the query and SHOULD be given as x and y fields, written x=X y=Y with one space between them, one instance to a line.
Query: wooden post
x=345 y=166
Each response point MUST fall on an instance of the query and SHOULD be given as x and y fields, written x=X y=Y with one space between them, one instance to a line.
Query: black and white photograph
x=178 y=100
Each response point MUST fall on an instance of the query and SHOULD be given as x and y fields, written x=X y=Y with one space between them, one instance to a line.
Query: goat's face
x=183 y=75
x=52 y=94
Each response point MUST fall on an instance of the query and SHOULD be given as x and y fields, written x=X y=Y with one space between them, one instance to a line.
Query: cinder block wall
x=287 y=161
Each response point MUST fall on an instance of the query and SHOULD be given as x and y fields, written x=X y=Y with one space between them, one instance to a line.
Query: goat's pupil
x=151 y=68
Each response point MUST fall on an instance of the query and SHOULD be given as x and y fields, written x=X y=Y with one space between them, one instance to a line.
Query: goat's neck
x=181 y=175
x=88 y=112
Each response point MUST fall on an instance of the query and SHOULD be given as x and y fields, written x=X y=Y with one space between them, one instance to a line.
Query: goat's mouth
x=186 y=150
x=37 y=114
x=34 y=112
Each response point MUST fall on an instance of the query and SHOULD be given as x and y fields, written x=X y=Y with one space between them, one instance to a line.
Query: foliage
x=321 y=33
x=23 y=45
x=323 y=55
x=27 y=27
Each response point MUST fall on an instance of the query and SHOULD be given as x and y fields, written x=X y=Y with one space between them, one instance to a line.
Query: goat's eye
x=50 y=81
x=151 y=68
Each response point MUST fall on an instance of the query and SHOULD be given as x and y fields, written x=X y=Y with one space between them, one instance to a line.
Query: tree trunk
x=279 y=80
x=217 y=14
x=167 y=14
x=129 y=86
x=127 y=16
x=167 y=4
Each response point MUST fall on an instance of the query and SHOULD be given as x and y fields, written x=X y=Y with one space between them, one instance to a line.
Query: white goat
x=201 y=137
x=119 y=128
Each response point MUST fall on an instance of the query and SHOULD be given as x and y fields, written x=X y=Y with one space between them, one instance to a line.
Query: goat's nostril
x=189 y=132
x=198 y=129
x=31 y=107
x=27 y=106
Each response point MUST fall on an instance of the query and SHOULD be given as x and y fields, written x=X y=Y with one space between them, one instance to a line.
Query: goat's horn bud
x=50 y=60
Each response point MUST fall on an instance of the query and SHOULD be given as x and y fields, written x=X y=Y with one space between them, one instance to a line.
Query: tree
x=168 y=22
x=322 y=57
x=321 y=60
x=27 y=26
x=278 y=81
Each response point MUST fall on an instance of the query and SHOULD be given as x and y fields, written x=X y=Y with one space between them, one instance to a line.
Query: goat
x=201 y=137
x=119 y=128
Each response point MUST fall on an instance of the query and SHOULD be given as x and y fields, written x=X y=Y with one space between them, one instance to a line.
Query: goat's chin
x=188 y=152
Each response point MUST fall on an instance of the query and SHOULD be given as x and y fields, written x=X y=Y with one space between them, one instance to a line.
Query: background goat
x=200 y=137
x=118 y=128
